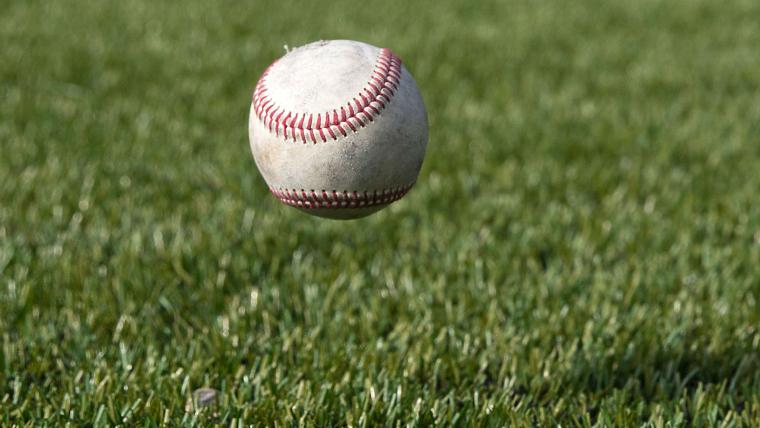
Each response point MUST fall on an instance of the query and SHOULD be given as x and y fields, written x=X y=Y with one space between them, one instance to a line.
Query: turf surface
x=582 y=247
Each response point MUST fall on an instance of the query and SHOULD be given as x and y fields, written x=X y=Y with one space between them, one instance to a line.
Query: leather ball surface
x=338 y=129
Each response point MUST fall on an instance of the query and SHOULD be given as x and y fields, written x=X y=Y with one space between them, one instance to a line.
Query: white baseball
x=338 y=129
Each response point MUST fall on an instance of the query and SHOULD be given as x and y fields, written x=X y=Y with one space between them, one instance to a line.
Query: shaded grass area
x=581 y=249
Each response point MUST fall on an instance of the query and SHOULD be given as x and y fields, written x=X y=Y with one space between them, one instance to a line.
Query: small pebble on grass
x=202 y=397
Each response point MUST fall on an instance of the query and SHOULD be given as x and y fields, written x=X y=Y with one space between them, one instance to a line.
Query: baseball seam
x=354 y=114
x=312 y=199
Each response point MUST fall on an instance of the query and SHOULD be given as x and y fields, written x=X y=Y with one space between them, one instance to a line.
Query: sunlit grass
x=581 y=248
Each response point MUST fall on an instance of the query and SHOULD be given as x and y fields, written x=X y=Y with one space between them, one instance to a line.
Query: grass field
x=582 y=247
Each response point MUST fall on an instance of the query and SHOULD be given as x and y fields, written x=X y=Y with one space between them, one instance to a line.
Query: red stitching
x=314 y=199
x=369 y=102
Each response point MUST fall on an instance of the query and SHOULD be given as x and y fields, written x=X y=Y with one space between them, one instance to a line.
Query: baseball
x=338 y=129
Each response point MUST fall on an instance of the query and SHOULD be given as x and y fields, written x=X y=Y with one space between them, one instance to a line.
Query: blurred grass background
x=581 y=248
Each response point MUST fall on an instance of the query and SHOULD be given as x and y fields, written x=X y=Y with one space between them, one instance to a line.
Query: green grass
x=582 y=247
